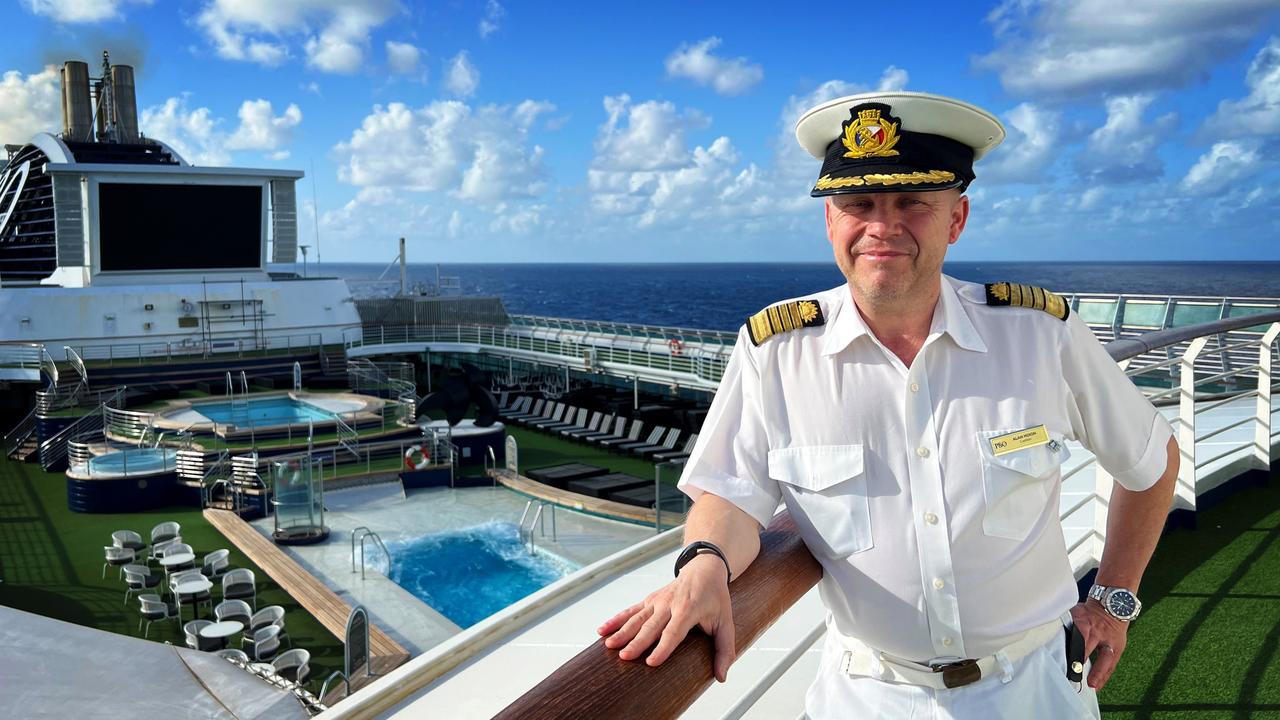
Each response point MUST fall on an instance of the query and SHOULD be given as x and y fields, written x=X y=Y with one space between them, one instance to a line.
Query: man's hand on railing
x=698 y=596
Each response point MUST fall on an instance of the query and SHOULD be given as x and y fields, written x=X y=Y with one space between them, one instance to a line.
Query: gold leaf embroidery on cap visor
x=827 y=182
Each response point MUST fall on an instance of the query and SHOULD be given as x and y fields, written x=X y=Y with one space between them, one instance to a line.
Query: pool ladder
x=363 y=536
x=536 y=520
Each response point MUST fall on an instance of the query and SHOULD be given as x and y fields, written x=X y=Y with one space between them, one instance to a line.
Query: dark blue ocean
x=719 y=296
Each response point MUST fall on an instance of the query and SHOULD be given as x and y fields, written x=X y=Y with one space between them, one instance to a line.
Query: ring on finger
x=1106 y=647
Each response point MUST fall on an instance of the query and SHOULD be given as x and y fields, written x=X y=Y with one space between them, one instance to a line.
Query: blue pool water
x=263 y=411
x=472 y=573
x=134 y=461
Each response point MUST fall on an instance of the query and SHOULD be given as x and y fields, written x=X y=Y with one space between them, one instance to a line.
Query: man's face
x=891 y=245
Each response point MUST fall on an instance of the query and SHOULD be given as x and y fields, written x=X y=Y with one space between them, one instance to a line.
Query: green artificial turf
x=51 y=564
x=1208 y=642
x=539 y=449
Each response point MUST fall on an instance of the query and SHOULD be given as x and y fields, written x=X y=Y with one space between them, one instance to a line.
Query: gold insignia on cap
x=1004 y=294
x=826 y=182
x=869 y=135
x=781 y=318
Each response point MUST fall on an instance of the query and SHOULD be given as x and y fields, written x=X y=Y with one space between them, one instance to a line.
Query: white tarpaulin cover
x=54 y=669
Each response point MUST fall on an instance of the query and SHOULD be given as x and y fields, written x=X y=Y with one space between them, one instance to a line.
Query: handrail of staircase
x=20 y=433
x=49 y=366
x=78 y=363
x=596 y=683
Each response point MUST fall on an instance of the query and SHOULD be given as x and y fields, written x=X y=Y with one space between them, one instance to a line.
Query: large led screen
x=179 y=227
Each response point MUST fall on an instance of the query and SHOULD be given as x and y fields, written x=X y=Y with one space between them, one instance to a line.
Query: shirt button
x=946 y=642
x=931 y=518
x=922 y=452
x=937 y=582
x=915 y=387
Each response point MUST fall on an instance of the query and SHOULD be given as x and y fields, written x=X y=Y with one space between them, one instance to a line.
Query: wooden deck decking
x=583 y=503
x=324 y=604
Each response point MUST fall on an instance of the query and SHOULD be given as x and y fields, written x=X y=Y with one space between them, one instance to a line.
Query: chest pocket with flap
x=825 y=488
x=1018 y=484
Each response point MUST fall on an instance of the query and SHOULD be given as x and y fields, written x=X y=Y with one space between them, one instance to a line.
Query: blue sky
x=506 y=131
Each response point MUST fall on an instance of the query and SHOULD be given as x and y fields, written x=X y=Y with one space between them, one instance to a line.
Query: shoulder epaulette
x=781 y=318
x=1028 y=296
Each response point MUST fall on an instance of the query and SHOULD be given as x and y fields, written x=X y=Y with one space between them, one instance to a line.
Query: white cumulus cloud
x=81 y=11
x=403 y=58
x=334 y=34
x=1225 y=163
x=493 y=14
x=727 y=76
x=1258 y=113
x=1069 y=48
x=198 y=136
x=1030 y=146
x=461 y=77
x=480 y=154
x=644 y=136
x=261 y=129
x=29 y=105
x=1124 y=148
x=193 y=134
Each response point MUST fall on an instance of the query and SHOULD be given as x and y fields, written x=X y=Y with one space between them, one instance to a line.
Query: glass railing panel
x=1185 y=314
x=1098 y=312
x=1144 y=314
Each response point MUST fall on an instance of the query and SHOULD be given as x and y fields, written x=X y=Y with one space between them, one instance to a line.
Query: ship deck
x=1205 y=647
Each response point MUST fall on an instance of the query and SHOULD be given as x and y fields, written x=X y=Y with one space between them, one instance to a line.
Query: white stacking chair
x=234 y=610
x=216 y=564
x=165 y=531
x=116 y=557
x=128 y=539
x=292 y=665
x=138 y=578
x=233 y=654
x=153 y=609
x=238 y=584
x=266 y=643
x=192 y=631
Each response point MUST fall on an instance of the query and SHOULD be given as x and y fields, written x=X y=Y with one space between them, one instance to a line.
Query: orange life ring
x=415 y=458
x=677 y=347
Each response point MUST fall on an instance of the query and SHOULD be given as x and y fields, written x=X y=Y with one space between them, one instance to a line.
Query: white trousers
x=1036 y=688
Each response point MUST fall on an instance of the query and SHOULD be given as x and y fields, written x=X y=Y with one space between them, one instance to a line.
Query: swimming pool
x=263 y=411
x=472 y=573
x=134 y=461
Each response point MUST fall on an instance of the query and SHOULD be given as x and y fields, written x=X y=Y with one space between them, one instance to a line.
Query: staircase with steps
x=333 y=368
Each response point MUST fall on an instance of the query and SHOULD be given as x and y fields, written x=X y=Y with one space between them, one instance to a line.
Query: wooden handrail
x=597 y=684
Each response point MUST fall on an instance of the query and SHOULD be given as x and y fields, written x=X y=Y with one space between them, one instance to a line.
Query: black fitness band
x=693 y=549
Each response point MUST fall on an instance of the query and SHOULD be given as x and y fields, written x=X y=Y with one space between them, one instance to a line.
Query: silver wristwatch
x=1119 y=603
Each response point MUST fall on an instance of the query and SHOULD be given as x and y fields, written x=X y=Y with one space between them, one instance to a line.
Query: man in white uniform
x=915 y=425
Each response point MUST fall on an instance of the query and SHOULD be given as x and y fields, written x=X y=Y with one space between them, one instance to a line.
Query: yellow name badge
x=1019 y=439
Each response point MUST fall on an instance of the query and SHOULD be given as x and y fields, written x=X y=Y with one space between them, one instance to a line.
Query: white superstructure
x=108 y=238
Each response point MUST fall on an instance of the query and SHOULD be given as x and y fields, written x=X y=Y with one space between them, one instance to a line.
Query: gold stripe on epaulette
x=781 y=318
x=1004 y=294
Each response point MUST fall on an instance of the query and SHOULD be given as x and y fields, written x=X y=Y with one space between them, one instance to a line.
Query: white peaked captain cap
x=896 y=142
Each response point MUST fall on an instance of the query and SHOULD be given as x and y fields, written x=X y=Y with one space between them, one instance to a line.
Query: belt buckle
x=959 y=673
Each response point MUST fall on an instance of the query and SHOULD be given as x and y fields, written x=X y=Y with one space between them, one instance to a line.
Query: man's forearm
x=1134 y=522
x=723 y=524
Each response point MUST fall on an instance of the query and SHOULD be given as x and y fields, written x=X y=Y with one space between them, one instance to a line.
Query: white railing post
x=1262 y=421
x=1185 y=493
x=1103 y=484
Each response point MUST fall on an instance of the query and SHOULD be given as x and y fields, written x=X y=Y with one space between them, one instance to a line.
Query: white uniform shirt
x=932 y=546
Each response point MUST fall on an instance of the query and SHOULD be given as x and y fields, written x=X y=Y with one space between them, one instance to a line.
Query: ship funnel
x=77 y=112
x=126 y=104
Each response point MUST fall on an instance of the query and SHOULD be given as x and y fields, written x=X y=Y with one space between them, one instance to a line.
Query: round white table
x=170 y=561
x=220 y=631
x=191 y=588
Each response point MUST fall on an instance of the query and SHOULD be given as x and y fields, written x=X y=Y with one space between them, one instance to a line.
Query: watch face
x=1122 y=604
